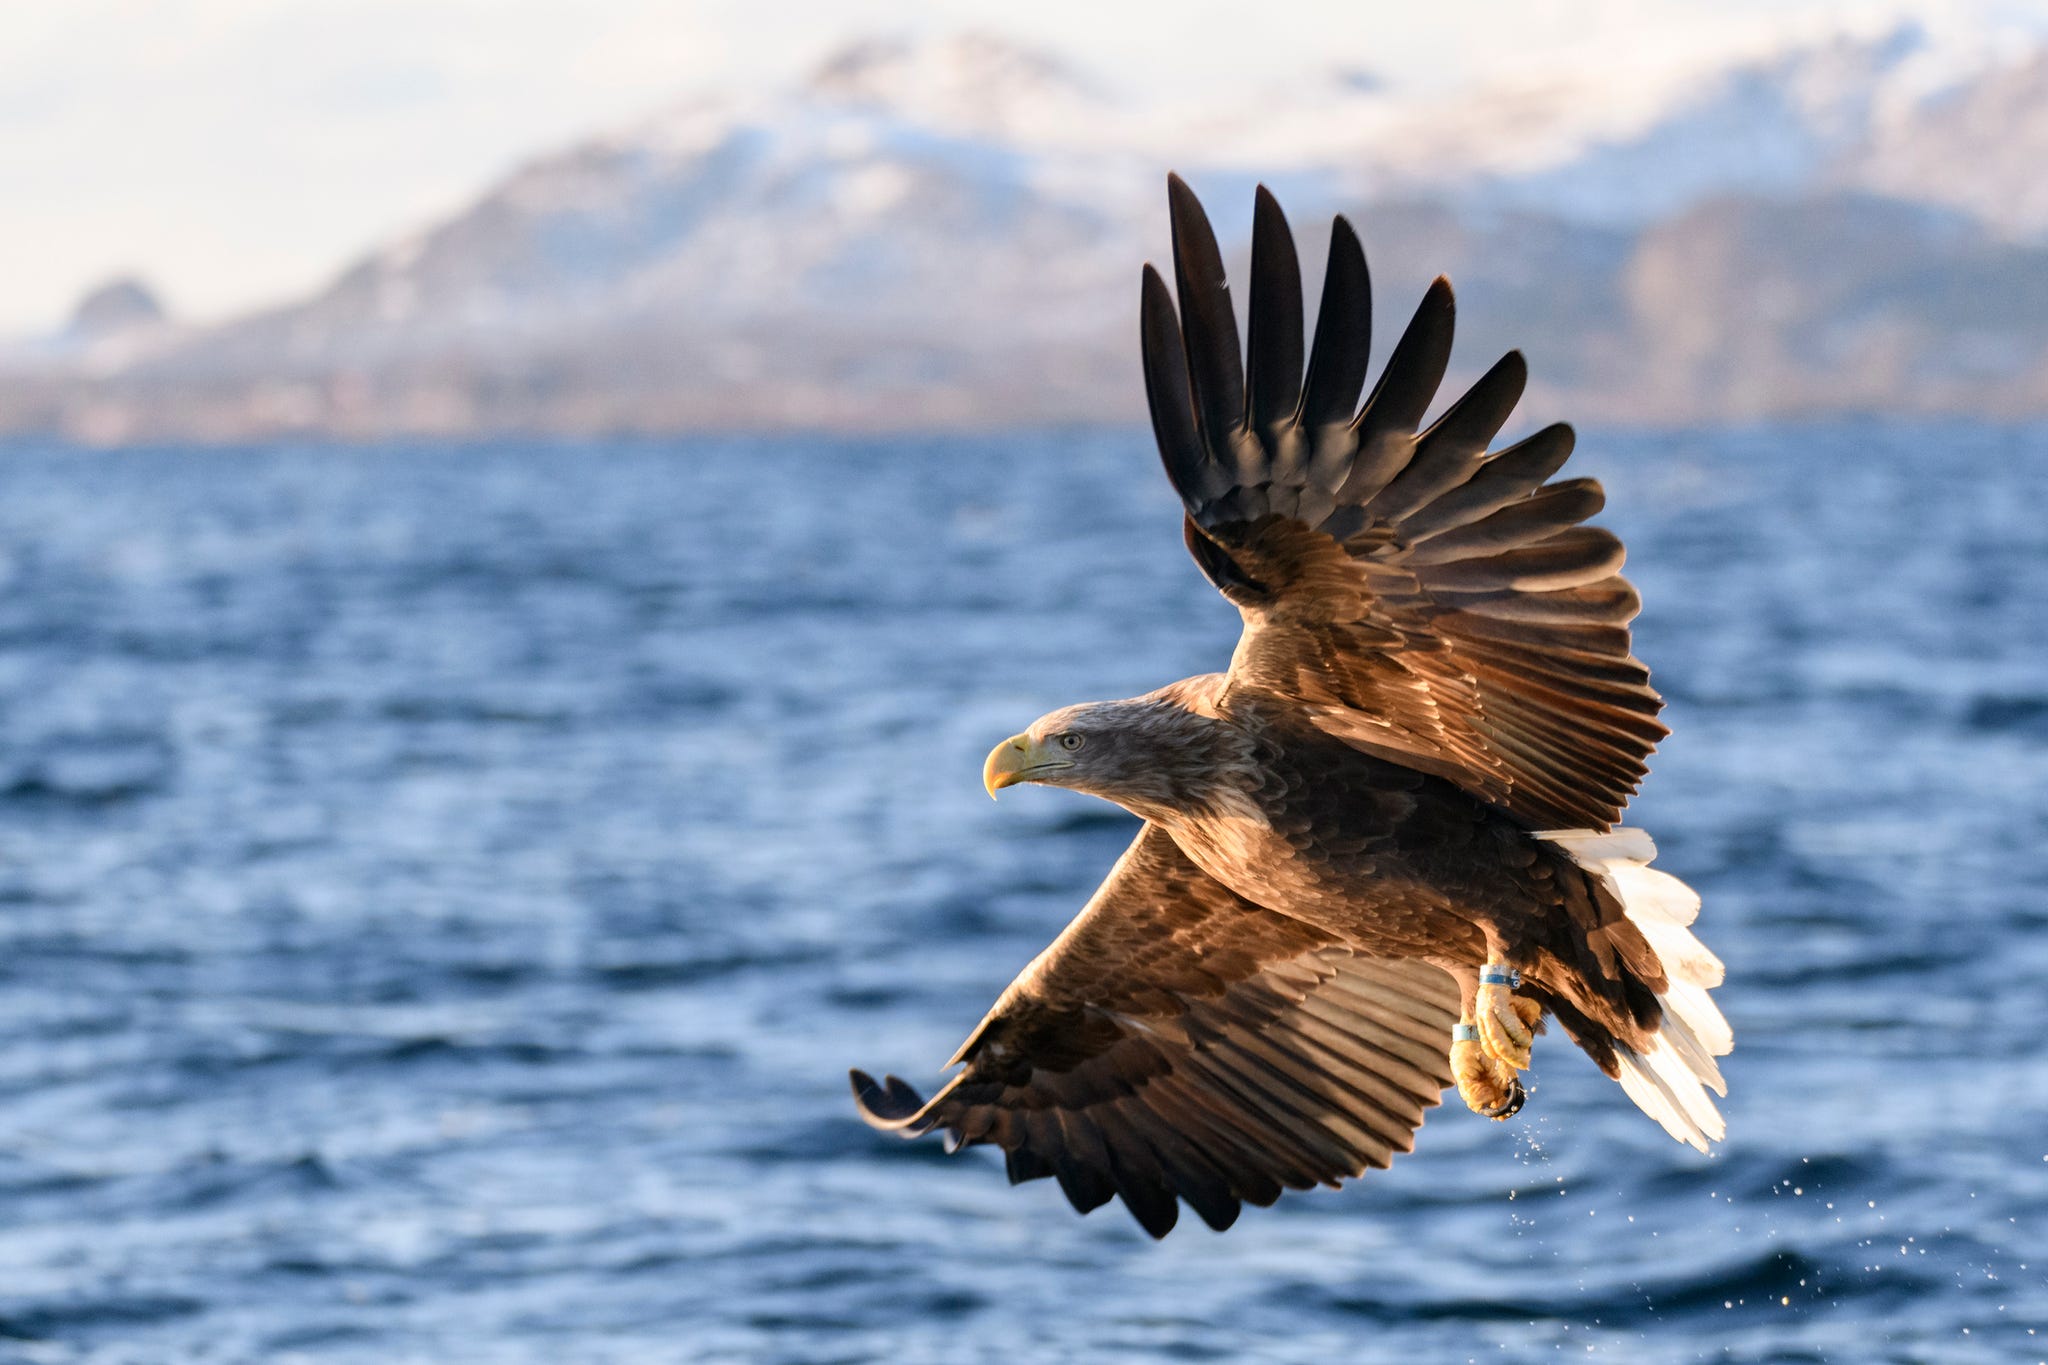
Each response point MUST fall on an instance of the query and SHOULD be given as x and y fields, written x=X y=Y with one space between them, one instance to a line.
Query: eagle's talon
x=1503 y=1031
x=1512 y=1106
x=1489 y=1087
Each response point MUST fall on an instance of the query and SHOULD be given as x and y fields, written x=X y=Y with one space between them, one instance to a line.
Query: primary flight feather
x=1380 y=850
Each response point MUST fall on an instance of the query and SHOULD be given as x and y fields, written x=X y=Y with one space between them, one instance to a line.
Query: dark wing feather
x=1274 y=395
x=1178 y=1042
x=1425 y=601
x=1210 y=324
x=1343 y=345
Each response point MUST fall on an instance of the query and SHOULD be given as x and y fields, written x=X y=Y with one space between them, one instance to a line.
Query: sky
x=235 y=153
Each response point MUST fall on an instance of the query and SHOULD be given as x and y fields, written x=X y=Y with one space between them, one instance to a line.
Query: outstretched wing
x=1178 y=1040
x=1428 y=602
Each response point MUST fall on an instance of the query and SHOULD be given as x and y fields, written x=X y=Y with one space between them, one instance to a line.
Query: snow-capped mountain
x=1897 y=111
x=1974 y=145
x=949 y=232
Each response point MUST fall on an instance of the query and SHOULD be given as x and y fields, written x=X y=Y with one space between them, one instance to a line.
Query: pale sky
x=239 y=152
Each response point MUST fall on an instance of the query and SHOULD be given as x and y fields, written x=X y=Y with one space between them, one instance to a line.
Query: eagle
x=1380 y=851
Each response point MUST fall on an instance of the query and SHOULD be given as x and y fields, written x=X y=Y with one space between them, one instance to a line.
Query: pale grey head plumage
x=1147 y=754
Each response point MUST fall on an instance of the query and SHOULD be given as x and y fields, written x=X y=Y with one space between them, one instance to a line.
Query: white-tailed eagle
x=1381 y=848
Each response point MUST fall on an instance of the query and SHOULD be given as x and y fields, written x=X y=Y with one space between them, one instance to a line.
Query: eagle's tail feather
x=1669 y=1082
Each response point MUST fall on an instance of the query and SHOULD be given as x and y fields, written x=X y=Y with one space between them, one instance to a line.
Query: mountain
x=122 y=304
x=1975 y=146
x=948 y=232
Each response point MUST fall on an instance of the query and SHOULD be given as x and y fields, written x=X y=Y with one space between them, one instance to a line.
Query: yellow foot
x=1507 y=1023
x=1489 y=1087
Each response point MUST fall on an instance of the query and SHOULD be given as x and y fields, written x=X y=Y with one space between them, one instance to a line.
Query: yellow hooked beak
x=1019 y=758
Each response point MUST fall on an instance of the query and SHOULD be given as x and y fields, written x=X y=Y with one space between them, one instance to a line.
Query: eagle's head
x=1148 y=755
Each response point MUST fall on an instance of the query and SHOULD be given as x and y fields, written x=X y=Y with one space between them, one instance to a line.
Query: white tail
x=1670 y=1081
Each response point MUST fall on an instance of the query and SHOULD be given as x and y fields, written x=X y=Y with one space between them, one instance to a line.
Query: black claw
x=1512 y=1105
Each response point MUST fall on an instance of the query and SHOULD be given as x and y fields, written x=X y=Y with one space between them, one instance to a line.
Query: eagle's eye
x=1071 y=742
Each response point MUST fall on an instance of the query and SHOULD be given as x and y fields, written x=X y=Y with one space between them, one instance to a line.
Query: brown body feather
x=1397 y=862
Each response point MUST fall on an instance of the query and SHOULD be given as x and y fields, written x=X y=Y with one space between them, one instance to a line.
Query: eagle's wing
x=1180 y=1040
x=1427 y=602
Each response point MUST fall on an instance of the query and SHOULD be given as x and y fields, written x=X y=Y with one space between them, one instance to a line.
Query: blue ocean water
x=442 y=889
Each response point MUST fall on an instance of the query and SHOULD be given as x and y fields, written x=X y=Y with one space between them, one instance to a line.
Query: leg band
x=1464 y=1033
x=1491 y=975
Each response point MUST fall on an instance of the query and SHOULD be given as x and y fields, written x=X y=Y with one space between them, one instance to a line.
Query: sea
x=443 y=888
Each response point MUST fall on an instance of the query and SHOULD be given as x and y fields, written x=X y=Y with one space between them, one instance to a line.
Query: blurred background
x=521 y=520
x=234 y=220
